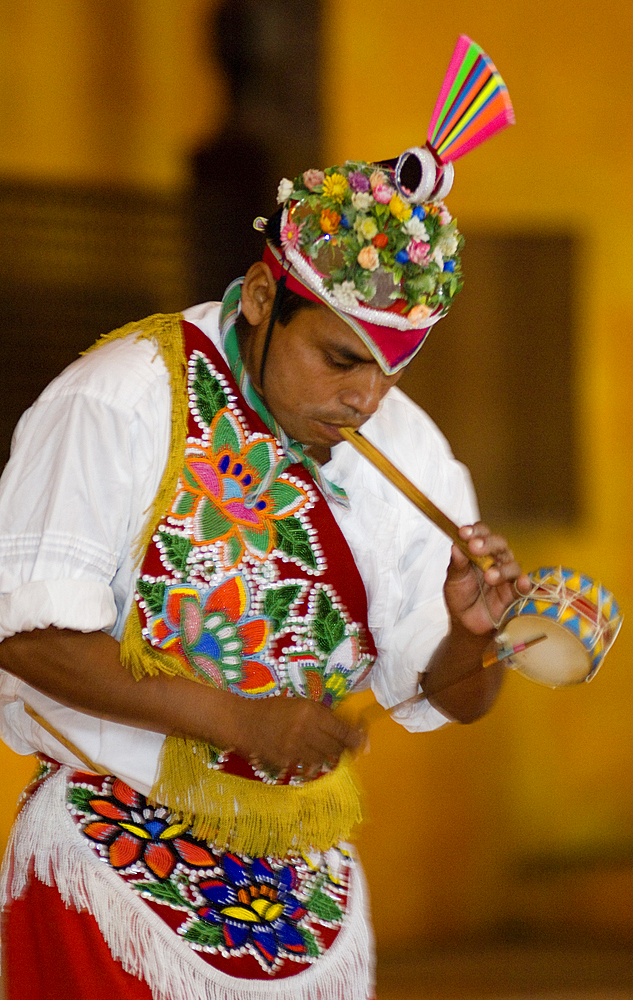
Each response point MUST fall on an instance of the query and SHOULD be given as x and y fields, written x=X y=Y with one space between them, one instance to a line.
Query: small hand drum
x=579 y=618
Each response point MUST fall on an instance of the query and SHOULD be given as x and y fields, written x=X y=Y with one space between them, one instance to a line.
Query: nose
x=366 y=389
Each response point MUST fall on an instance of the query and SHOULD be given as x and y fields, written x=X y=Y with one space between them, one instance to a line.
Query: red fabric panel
x=51 y=952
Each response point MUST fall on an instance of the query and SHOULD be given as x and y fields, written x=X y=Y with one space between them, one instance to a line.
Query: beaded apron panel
x=249 y=917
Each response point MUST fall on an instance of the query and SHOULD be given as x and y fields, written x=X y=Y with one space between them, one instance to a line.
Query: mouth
x=331 y=431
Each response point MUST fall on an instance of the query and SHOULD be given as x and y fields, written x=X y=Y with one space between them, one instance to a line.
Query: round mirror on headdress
x=420 y=176
x=415 y=175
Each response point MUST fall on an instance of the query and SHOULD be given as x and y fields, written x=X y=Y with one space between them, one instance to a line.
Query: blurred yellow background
x=523 y=823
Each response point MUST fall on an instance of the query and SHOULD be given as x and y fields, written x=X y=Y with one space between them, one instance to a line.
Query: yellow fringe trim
x=251 y=817
x=233 y=813
x=143 y=659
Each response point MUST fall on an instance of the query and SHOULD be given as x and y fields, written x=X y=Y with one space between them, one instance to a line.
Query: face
x=318 y=377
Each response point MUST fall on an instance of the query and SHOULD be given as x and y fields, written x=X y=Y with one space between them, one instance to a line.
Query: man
x=199 y=571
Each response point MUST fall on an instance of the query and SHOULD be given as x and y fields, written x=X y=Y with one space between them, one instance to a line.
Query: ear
x=258 y=293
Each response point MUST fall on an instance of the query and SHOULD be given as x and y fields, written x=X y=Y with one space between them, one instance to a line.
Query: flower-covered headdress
x=375 y=242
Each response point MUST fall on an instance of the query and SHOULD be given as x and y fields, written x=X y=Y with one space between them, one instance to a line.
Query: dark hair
x=286 y=304
x=291 y=302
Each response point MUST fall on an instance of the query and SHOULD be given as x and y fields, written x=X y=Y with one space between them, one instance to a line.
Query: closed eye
x=342 y=364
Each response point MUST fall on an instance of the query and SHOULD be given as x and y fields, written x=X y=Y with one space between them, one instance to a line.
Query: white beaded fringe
x=44 y=840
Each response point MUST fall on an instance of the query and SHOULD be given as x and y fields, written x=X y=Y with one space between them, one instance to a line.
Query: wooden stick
x=64 y=742
x=506 y=653
x=382 y=463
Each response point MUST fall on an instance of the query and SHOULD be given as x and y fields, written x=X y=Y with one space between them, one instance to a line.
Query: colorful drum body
x=579 y=617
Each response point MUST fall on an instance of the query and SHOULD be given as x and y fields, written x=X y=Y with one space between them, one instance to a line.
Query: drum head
x=559 y=660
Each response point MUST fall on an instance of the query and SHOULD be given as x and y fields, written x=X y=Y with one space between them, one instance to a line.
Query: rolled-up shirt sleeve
x=84 y=606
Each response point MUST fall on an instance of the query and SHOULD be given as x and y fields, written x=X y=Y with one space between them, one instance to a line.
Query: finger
x=506 y=569
x=499 y=549
x=481 y=544
x=523 y=584
x=491 y=545
x=324 y=747
x=504 y=587
x=478 y=530
x=505 y=566
x=459 y=566
x=356 y=739
x=482 y=539
x=503 y=572
x=347 y=736
x=328 y=746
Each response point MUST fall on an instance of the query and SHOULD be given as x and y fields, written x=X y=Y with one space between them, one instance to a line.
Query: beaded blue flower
x=255 y=905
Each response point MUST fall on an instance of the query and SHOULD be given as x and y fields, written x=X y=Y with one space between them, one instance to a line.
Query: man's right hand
x=292 y=735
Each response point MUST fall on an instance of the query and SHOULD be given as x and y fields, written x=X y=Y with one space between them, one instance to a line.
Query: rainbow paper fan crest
x=473 y=103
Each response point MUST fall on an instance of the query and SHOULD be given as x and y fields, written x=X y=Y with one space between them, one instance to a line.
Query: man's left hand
x=479 y=601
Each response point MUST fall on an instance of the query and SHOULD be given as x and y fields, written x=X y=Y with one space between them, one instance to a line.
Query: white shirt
x=86 y=462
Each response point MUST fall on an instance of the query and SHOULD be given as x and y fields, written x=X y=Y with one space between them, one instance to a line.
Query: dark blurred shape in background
x=77 y=261
x=271 y=129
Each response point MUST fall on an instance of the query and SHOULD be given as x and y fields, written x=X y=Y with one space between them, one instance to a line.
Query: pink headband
x=392 y=348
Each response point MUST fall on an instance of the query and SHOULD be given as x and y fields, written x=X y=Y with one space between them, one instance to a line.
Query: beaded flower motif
x=236 y=905
x=253 y=903
x=132 y=832
x=230 y=490
x=328 y=671
x=214 y=636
